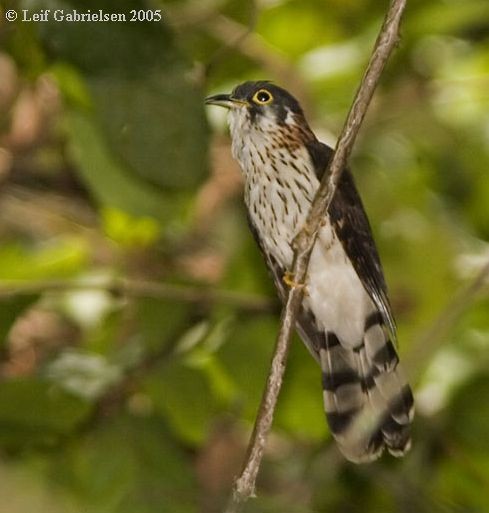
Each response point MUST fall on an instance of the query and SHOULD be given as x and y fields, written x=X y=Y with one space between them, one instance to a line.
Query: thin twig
x=140 y=288
x=244 y=486
x=431 y=338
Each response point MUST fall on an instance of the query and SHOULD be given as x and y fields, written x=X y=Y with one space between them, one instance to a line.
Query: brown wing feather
x=353 y=230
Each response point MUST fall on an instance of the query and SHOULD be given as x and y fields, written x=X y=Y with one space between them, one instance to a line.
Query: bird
x=345 y=319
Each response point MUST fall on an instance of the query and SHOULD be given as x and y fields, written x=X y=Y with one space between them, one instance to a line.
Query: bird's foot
x=288 y=279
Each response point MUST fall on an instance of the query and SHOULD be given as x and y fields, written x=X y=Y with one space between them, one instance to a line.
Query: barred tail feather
x=368 y=402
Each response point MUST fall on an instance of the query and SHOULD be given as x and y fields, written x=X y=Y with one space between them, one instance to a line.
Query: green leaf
x=300 y=408
x=161 y=322
x=129 y=231
x=446 y=17
x=128 y=465
x=246 y=358
x=145 y=130
x=162 y=136
x=33 y=411
x=55 y=258
x=110 y=180
x=469 y=415
x=184 y=397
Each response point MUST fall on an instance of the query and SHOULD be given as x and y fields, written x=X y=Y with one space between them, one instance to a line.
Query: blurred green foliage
x=115 y=401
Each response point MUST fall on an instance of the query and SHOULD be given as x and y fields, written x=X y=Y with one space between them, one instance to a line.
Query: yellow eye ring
x=262 y=97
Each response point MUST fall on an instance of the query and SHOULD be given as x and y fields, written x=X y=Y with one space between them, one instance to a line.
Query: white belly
x=335 y=293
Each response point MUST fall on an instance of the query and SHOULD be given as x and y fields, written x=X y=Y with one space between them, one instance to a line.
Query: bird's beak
x=224 y=100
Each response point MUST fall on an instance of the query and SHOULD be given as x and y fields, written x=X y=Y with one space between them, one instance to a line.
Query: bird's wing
x=353 y=230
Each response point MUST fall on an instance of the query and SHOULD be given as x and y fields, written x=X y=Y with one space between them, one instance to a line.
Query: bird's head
x=261 y=108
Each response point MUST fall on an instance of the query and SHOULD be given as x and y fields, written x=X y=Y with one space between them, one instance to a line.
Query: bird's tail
x=368 y=402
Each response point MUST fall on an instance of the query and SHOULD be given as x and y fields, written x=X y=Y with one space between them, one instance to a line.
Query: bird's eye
x=262 y=97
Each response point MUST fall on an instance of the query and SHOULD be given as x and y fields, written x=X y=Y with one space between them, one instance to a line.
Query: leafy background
x=136 y=317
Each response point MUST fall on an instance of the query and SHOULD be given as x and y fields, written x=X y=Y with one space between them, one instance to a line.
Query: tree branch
x=141 y=288
x=244 y=486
